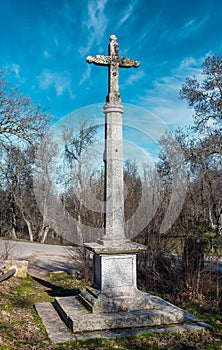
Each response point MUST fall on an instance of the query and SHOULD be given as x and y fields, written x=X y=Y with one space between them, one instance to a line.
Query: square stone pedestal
x=115 y=280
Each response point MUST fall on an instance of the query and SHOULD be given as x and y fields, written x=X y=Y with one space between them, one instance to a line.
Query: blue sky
x=44 y=44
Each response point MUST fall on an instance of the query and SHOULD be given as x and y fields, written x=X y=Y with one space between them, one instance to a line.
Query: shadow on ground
x=54 y=290
x=45 y=264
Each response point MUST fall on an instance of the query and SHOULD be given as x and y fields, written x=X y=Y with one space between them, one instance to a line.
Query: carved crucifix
x=113 y=61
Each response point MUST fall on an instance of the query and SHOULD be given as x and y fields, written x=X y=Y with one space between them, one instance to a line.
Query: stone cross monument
x=114 y=302
x=114 y=254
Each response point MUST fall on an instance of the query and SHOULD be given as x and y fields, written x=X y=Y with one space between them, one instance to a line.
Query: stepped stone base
x=114 y=307
x=69 y=313
x=121 y=300
x=78 y=319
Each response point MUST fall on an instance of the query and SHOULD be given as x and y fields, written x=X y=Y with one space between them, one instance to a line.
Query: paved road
x=42 y=257
x=45 y=257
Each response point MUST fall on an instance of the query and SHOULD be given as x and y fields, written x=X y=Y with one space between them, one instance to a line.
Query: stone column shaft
x=114 y=185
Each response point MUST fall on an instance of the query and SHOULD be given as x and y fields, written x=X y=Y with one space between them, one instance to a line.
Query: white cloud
x=174 y=112
x=83 y=50
x=14 y=69
x=134 y=77
x=170 y=110
x=85 y=75
x=46 y=54
x=190 y=66
x=189 y=27
x=95 y=24
x=96 y=18
x=60 y=81
x=127 y=13
x=163 y=97
x=167 y=84
x=56 y=41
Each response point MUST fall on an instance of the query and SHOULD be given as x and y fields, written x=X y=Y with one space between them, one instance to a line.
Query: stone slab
x=115 y=247
x=59 y=333
x=55 y=327
x=78 y=319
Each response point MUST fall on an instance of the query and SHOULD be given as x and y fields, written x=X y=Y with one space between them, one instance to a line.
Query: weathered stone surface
x=113 y=61
x=78 y=319
x=21 y=267
x=112 y=246
x=115 y=272
x=59 y=333
x=114 y=185
x=56 y=328
x=119 y=300
x=115 y=280
x=113 y=109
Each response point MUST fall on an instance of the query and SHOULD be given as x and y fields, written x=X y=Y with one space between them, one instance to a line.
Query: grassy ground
x=21 y=328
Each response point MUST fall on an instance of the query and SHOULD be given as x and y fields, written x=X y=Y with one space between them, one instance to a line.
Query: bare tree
x=22 y=125
x=18 y=116
x=16 y=172
x=205 y=96
x=44 y=185
x=76 y=145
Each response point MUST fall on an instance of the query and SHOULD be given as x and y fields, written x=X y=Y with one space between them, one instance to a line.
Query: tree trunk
x=29 y=226
x=13 y=233
x=44 y=233
x=14 y=225
x=79 y=229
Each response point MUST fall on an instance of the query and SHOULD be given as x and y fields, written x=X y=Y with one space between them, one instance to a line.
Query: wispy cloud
x=96 y=24
x=128 y=12
x=189 y=27
x=14 y=69
x=60 y=81
x=83 y=50
x=46 y=54
x=163 y=97
x=56 y=41
x=135 y=77
x=190 y=66
x=85 y=75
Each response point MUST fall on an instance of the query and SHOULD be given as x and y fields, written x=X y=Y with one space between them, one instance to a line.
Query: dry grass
x=21 y=328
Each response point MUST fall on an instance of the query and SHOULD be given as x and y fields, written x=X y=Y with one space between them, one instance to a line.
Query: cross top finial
x=112 y=37
x=113 y=61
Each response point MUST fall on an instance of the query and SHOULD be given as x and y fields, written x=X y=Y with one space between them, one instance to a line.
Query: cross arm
x=128 y=62
x=99 y=60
